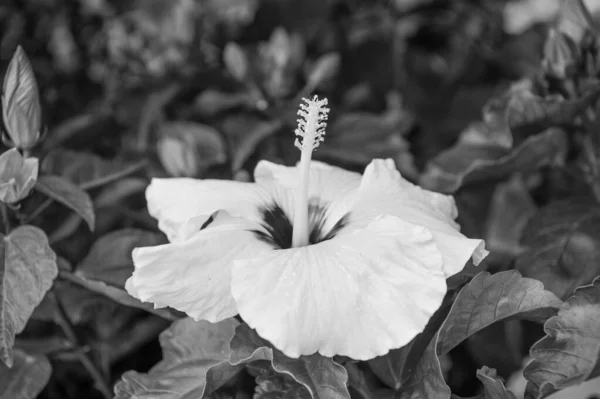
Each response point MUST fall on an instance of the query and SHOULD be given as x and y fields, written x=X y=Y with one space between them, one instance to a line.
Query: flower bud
x=21 y=109
x=17 y=176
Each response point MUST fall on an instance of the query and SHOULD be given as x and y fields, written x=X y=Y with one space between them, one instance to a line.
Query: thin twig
x=38 y=211
x=5 y=218
x=113 y=176
x=64 y=323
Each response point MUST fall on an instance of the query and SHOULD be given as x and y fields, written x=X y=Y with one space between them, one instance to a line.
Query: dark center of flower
x=278 y=228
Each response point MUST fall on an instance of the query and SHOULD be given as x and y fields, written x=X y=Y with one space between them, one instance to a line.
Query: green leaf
x=20 y=86
x=358 y=137
x=27 y=377
x=108 y=265
x=396 y=367
x=529 y=114
x=322 y=376
x=68 y=194
x=575 y=19
x=562 y=244
x=85 y=169
x=485 y=300
x=244 y=134
x=511 y=209
x=493 y=386
x=195 y=355
x=569 y=354
x=27 y=269
x=476 y=159
x=236 y=61
x=187 y=149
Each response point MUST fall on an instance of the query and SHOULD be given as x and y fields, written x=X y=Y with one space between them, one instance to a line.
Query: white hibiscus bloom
x=314 y=257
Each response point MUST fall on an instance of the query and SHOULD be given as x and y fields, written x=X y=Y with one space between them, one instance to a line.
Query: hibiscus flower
x=314 y=257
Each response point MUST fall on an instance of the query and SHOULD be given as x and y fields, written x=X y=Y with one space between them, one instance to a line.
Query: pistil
x=311 y=129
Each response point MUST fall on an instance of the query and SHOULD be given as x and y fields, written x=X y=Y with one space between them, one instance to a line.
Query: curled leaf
x=473 y=160
x=570 y=352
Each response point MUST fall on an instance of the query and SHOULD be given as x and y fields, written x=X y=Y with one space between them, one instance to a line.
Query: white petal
x=384 y=192
x=329 y=186
x=174 y=201
x=194 y=276
x=358 y=295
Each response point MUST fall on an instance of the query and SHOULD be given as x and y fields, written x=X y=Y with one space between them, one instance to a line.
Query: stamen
x=311 y=129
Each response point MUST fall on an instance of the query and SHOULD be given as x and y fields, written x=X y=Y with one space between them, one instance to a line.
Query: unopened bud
x=17 y=176
x=21 y=109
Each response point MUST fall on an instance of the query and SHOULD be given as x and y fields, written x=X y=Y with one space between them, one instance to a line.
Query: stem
x=64 y=323
x=5 y=218
x=38 y=211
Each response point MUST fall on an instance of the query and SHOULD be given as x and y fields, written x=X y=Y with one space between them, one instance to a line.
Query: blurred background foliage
x=472 y=98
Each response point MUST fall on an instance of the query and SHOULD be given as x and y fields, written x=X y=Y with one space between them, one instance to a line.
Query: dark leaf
x=562 y=243
x=570 y=352
x=493 y=386
x=68 y=194
x=85 y=169
x=474 y=159
x=27 y=269
x=194 y=361
x=530 y=114
x=357 y=138
x=396 y=367
x=27 y=377
x=186 y=149
x=490 y=298
x=244 y=134
x=511 y=209
x=109 y=264
x=322 y=376
x=485 y=300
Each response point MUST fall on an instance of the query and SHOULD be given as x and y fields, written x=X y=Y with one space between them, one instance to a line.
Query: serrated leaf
x=569 y=354
x=109 y=264
x=27 y=377
x=27 y=270
x=195 y=355
x=490 y=298
x=68 y=194
x=485 y=300
x=322 y=376
x=469 y=162
x=562 y=246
